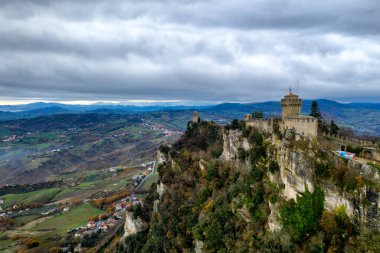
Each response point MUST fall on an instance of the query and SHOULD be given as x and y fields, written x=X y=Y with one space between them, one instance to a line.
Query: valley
x=40 y=149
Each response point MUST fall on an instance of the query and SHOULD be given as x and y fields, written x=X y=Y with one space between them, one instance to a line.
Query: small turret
x=195 y=117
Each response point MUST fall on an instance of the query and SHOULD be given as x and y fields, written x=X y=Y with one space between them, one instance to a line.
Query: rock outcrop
x=133 y=226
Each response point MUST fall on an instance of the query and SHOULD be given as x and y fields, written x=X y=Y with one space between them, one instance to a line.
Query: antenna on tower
x=297 y=86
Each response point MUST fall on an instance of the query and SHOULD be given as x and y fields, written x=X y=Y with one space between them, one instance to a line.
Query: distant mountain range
x=363 y=117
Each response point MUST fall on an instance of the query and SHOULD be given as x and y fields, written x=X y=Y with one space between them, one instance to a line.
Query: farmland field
x=74 y=218
x=150 y=180
x=20 y=221
x=45 y=149
x=41 y=196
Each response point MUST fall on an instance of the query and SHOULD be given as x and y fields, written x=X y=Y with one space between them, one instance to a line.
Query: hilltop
x=238 y=189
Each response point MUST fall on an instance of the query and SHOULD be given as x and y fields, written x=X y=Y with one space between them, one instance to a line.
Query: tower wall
x=291 y=106
x=195 y=117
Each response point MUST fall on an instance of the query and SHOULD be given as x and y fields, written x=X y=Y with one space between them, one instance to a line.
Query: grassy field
x=137 y=132
x=20 y=221
x=74 y=218
x=150 y=180
x=6 y=246
x=40 y=196
x=74 y=194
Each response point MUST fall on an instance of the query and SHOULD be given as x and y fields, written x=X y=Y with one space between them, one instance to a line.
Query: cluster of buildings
x=92 y=227
x=149 y=166
x=103 y=225
x=14 y=137
x=137 y=179
x=126 y=204
x=10 y=138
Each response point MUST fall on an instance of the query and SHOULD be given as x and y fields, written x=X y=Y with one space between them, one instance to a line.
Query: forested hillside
x=235 y=189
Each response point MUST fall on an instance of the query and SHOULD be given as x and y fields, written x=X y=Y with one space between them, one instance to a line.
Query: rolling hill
x=362 y=117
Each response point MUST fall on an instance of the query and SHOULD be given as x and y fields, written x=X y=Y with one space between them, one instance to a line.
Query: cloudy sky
x=180 y=50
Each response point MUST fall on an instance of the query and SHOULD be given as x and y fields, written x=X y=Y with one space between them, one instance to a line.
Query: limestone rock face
x=232 y=141
x=333 y=200
x=199 y=246
x=202 y=164
x=297 y=173
x=161 y=188
x=133 y=226
x=231 y=144
x=273 y=219
x=161 y=158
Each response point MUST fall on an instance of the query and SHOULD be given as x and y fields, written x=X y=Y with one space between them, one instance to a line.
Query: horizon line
x=137 y=102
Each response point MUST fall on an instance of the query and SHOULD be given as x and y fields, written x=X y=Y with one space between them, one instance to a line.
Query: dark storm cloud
x=188 y=50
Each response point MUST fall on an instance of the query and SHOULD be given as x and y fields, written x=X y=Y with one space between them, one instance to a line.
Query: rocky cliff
x=297 y=172
x=260 y=193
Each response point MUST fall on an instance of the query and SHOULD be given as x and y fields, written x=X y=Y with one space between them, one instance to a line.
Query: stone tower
x=291 y=106
x=195 y=117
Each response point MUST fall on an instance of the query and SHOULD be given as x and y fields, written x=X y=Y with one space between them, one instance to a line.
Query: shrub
x=164 y=149
x=242 y=155
x=211 y=172
x=273 y=166
x=203 y=196
x=216 y=152
x=336 y=226
x=302 y=217
x=137 y=211
x=322 y=170
x=256 y=153
x=256 y=138
x=6 y=222
x=54 y=250
x=235 y=124
x=31 y=243
x=246 y=131
x=356 y=150
x=256 y=174
x=134 y=243
x=213 y=236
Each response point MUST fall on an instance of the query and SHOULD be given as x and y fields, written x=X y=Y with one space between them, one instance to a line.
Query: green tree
x=315 y=112
x=213 y=236
x=333 y=127
x=302 y=217
x=235 y=124
x=257 y=115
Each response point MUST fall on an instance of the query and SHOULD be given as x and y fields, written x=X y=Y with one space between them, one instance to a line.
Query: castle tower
x=291 y=106
x=195 y=117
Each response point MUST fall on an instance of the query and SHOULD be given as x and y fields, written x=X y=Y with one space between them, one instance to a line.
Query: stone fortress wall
x=303 y=125
x=262 y=124
x=291 y=118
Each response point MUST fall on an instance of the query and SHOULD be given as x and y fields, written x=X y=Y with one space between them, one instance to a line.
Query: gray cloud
x=188 y=50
